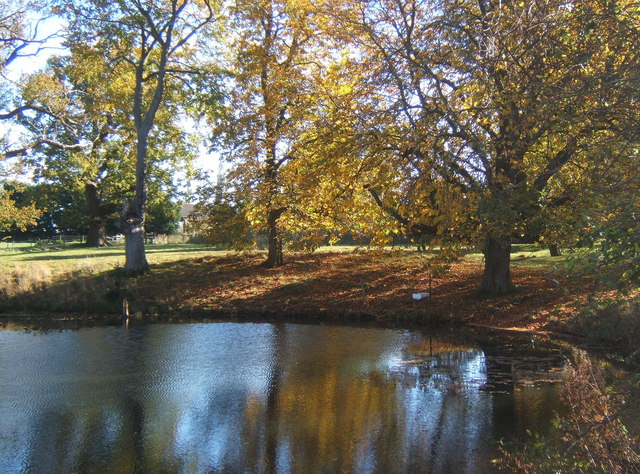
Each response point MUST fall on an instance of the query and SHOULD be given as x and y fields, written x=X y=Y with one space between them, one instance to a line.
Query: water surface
x=227 y=397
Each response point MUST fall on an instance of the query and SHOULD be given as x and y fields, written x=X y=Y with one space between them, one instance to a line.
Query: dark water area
x=241 y=397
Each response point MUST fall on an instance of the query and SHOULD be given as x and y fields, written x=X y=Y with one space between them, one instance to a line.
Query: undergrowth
x=590 y=437
x=614 y=319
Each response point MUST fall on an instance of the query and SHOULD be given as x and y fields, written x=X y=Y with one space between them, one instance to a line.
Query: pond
x=243 y=397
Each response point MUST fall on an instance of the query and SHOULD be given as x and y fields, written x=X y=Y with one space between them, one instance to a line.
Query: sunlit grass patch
x=63 y=260
x=68 y=274
x=72 y=258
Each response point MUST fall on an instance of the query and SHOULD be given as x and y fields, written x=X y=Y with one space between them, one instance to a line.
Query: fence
x=53 y=240
x=65 y=239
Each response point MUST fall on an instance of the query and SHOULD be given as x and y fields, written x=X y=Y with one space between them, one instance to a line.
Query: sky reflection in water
x=255 y=397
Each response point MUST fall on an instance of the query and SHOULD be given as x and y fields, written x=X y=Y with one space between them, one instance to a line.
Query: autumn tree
x=20 y=38
x=485 y=106
x=153 y=40
x=14 y=216
x=274 y=57
x=222 y=215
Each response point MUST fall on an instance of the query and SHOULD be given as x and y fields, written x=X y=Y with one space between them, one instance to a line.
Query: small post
x=125 y=312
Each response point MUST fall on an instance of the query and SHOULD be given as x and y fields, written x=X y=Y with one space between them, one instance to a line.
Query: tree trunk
x=97 y=235
x=554 y=250
x=497 y=260
x=136 y=259
x=133 y=221
x=274 y=257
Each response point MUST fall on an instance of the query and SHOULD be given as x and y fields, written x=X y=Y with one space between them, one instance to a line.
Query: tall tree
x=96 y=119
x=153 y=39
x=21 y=37
x=274 y=55
x=484 y=105
x=14 y=216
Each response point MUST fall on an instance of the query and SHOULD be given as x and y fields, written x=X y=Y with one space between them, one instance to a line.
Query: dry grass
x=73 y=277
x=69 y=258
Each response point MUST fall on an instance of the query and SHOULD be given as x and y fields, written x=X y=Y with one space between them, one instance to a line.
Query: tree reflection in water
x=258 y=398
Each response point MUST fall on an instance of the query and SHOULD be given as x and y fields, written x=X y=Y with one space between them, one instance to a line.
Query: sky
x=29 y=64
x=30 y=61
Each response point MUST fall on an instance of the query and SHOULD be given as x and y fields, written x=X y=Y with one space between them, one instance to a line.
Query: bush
x=614 y=320
x=590 y=437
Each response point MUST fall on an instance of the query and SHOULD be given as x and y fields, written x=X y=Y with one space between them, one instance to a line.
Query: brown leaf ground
x=194 y=283
x=344 y=286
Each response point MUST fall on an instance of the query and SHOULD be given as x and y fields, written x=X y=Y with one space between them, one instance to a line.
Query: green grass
x=66 y=275
x=72 y=257
x=525 y=256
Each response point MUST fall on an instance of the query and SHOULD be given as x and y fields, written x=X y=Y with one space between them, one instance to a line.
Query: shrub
x=590 y=437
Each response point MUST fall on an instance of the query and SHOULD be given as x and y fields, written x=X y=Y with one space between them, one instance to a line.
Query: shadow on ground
x=328 y=286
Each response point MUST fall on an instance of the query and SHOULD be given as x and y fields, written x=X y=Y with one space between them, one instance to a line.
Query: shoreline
x=43 y=320
x=333 y=287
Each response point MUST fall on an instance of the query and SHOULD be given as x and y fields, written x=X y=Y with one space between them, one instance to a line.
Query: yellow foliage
x=12 y=216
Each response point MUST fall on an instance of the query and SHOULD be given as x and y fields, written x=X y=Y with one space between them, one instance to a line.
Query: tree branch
x=416 y=229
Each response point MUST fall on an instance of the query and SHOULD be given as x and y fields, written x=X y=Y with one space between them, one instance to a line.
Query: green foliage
x=612 y=319
x=615 y=248
x=506 y=211
x=162 y=215
x=63 y=210
x=91 y=143
x=610 y=231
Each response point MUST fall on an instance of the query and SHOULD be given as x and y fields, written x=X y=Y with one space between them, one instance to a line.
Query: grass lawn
x=71 y=258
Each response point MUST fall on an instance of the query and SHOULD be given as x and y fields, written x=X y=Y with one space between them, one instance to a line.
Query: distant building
x=187 y=215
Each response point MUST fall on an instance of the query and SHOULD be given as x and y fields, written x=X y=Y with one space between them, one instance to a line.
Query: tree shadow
x=328 y=286
x=182 y=248
x=44 y=258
